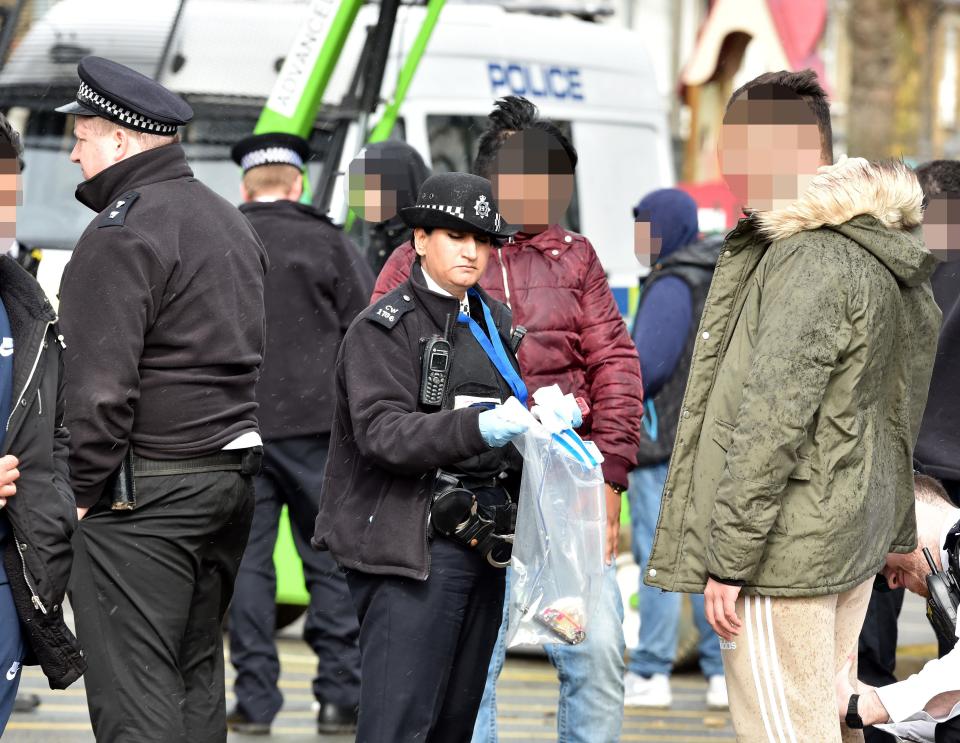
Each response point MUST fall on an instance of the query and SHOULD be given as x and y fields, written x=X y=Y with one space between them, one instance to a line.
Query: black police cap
x=457 y=201
x=272 y=148
x=115 y=92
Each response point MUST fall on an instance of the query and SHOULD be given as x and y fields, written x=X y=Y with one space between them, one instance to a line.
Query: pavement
x=527 y=694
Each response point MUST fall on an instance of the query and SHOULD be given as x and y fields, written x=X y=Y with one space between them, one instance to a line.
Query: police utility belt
x=455 y=511
x=123 y=485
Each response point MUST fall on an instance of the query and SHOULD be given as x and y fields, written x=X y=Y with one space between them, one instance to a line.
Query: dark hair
x=806 y=86
x=939 y=176
x=930 y=491
x=10 y=146
x=512 y=114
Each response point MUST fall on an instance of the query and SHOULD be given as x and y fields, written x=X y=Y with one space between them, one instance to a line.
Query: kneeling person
x=926 y=706
x=420 y=481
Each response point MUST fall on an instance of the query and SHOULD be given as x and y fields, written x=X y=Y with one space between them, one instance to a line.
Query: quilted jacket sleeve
x=803 y=313
x=613 y=376
x=395 y=271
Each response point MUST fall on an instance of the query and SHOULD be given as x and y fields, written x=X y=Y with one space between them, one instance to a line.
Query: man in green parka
x=791 y=476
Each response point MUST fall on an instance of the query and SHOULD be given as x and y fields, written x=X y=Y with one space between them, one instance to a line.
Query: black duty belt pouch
x=456 y=514
x=122 y=486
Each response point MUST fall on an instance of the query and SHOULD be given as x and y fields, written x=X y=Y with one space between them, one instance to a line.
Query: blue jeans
x=591 y=676
x=659 y=610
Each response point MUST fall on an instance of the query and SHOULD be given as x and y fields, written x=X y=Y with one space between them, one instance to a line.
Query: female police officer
x=416 y=494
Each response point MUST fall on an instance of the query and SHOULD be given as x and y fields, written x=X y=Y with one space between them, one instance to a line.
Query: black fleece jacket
x=162 y=309
x=385 y=447
x=317 y=283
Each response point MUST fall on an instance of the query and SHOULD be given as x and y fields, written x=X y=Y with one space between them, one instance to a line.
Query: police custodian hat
x=273 y=148
x=124 y=96
x=457 y=201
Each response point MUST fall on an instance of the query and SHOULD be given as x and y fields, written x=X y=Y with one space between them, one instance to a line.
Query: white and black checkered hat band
x=271 y=156
x=90 y=98
x=456 y=211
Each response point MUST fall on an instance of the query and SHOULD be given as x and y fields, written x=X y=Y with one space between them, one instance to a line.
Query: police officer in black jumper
x=317 y=283
x=417 y=491
x=162 y=310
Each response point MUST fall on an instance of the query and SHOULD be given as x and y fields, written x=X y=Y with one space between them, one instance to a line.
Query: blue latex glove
x=498 y=430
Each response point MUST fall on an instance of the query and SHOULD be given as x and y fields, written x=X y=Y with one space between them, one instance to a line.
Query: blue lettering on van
x=535 y=81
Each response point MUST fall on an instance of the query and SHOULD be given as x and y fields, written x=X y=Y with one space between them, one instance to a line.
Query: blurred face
x=11 y=196
x=532 y=180
x=98 y=146
x=908 y=571
x=455 y=260
x=646 y=244
x=941 y=226
x=369 y=199
x=379 y=183
x=766 y=158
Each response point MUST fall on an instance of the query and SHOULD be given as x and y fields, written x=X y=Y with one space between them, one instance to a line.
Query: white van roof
x=234 y=48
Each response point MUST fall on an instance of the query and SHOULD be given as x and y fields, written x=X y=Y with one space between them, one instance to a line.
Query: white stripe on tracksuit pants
x=781 y=667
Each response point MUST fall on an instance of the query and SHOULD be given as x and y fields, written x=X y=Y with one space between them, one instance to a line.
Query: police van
x=224 y=57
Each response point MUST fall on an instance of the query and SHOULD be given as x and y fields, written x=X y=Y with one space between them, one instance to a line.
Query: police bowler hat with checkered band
x=272 y=148
x=457 y=201
x=124 y=96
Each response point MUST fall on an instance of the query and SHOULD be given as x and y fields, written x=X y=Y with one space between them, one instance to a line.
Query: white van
x=224 y=55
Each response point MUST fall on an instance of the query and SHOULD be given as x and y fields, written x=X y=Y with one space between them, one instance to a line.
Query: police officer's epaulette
x=114 y=214
x=391 y=308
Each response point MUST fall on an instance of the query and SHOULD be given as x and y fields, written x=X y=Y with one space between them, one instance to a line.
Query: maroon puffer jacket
x=576 y=338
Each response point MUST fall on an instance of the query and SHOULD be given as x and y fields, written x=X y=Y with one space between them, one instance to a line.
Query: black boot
x=26 y=702
x=333 y=718
x=240 y=723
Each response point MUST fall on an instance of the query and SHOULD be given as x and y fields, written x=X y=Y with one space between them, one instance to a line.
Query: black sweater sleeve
x=382 y=385
x=109 y=296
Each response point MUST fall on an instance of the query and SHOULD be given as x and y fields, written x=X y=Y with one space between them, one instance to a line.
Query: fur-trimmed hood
x=845 y=196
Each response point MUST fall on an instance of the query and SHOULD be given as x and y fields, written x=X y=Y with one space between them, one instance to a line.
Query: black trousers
x=877 y=651
x=149 y=590
x=426 y=646
x=292 y=475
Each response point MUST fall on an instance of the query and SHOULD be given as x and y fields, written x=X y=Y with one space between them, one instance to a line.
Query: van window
x=453 y=146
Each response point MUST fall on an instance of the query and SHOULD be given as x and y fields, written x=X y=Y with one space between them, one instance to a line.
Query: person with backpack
x=665 y=331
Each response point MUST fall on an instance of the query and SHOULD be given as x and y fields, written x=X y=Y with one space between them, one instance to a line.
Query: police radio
x=942 y=600
x=436 y=369
x=436 y=358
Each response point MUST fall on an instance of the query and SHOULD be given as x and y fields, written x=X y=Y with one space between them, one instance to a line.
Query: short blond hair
x=277 y=177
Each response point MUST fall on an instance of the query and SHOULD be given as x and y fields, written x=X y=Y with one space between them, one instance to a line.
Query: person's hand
x=8 y=476
x=498 y=428
x=614 y=500
x=844 y=688
x=720 y=604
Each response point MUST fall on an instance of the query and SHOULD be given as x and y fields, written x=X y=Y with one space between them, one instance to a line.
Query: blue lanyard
x=495 y=350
